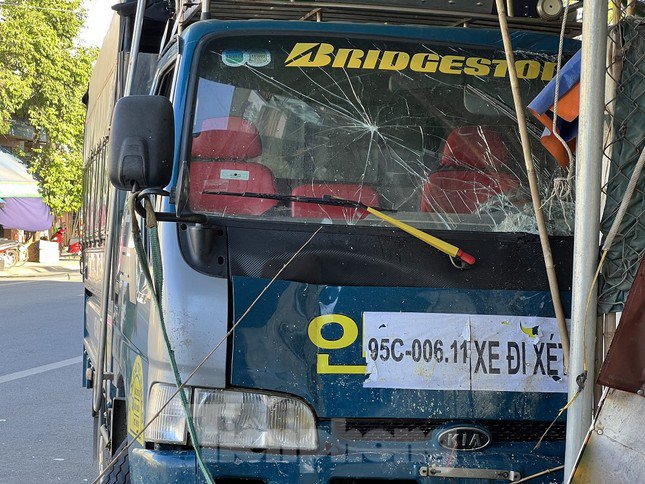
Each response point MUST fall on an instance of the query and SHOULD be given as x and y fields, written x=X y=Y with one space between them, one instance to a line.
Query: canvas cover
x=106 y=86
x=102 y=90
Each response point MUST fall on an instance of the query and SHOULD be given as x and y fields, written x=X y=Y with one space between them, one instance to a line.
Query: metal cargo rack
x=410 y=12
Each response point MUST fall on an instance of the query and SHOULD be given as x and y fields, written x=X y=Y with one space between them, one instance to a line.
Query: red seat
x=219 y=155
x=353 y=192
x=462 y=191
x=474 y=147
x=471 y=159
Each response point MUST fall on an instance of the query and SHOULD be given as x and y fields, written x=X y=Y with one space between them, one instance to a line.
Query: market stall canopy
x=15 y=180
x=22 y=205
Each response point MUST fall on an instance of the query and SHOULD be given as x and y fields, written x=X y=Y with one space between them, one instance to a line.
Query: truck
x=309 y=252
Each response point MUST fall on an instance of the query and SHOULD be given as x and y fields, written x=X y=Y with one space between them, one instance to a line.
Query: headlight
x=241 y=419
x=170 y=425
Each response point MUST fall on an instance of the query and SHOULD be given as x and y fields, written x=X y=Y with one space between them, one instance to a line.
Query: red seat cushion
x=474 y=147
x=353 y=192
x=230 y=176
x=218 y=164
x=461 y=191
x=229 y=138
x=472 y=157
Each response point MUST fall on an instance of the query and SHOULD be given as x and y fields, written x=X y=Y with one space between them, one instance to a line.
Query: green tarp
x=625 y=254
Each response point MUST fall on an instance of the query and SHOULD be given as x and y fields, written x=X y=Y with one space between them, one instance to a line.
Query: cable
x=205 y=359
x=629 y=192
x=557 y=91
x=155 y=283
x=562 y=186
x=539 y=474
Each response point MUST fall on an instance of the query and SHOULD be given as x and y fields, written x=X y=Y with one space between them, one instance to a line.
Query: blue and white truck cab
x=317 y=340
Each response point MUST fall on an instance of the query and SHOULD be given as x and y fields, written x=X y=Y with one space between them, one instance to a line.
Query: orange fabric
x=569 y=104
x=568 y=110
x=555 y=147
x=553 y=144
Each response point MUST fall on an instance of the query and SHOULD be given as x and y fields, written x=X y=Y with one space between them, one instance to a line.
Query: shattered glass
x=427 y=132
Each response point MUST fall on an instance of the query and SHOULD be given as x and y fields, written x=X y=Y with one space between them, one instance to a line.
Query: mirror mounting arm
x=164 y=216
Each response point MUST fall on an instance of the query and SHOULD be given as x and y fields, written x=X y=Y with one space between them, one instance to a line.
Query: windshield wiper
x=324 y=200
x=455 y=253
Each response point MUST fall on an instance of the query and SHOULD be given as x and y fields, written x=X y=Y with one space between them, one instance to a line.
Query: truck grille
x=420 y=430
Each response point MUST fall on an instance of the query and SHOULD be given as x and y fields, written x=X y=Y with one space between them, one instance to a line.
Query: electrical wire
x=155 y=283
x=205 y=359
x=609 y=241
x=539 y=474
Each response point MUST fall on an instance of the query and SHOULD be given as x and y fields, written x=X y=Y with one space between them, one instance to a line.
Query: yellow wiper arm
x=435 y=242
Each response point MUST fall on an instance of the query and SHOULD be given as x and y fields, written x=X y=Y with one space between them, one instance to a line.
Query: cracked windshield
x=310 y=241
x=427 y=132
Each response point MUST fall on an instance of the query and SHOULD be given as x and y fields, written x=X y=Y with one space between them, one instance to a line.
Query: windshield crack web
x=440 y=150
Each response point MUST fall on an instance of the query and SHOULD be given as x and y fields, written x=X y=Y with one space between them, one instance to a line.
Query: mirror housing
x=142 y=142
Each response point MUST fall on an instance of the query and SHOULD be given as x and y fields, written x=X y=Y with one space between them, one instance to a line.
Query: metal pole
x=112 y=233
x=509 y=8
x=587 y=226
x=134 y=48
x=206 y=13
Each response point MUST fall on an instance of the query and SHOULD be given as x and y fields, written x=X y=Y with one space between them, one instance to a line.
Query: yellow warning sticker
x=318 y=54
x=135 y=401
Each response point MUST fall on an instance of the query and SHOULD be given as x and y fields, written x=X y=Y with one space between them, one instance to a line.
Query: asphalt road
x=45 y=420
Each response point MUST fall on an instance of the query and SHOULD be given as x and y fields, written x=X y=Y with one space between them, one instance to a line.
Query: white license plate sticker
x=437 y=351
x=234 y=175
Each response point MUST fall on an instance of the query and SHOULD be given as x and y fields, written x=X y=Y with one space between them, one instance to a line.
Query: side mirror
x=142 y=142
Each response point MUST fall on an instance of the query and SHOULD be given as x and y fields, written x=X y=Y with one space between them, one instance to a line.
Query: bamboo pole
x=533 y=184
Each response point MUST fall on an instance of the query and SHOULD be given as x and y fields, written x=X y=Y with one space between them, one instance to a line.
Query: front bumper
x=344 y=464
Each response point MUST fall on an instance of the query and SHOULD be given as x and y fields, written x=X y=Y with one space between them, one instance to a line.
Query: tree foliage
x=43 y=76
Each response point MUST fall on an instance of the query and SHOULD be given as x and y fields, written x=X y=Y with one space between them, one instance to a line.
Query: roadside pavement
x=65 y=267
x=46 y=423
